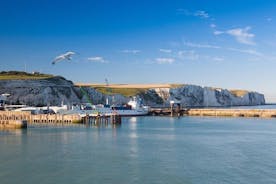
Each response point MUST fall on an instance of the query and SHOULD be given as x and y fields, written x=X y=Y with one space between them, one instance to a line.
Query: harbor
x=218 y=112
x=13 y=119
x=132 y=92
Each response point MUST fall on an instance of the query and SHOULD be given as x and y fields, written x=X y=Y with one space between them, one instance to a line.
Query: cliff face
x=55 y=90
x=39 y=92
x=191 y=95
x=93 y=96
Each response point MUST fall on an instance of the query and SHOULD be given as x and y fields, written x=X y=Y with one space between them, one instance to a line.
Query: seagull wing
x=57 y=59
x=69 y=53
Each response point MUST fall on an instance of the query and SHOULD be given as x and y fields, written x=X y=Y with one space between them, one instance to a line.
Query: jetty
x=261 y=113
x=9 y=119
x=13 y=119
x=167 y=112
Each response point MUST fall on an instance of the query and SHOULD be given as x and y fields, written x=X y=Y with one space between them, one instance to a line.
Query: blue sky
x=220 y=43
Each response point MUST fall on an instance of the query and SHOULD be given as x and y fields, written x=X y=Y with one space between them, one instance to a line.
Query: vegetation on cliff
x=238 y=92
x=123 y=91
x=20 y=75
x=127 y=90
x=42 y=89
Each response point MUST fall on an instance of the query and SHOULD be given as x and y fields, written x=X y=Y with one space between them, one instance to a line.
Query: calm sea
x=153 y=150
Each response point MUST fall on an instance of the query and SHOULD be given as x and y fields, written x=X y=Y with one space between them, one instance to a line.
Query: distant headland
x=39 y=89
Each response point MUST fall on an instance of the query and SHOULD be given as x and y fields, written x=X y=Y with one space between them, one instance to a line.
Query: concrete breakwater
x=74 y=118
x=12 y=119
x=262 y=113
x=55 y=118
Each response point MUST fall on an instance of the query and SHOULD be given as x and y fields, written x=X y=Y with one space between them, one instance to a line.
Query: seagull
x=67 y=55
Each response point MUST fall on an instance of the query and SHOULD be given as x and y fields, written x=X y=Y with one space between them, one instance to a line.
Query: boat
x=134 y=107
x=42 y=110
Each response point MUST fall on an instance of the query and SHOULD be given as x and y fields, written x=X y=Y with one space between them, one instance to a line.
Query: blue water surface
x=201 y=150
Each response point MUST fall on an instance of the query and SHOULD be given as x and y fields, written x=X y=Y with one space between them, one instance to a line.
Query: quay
x=10 y=119
x=261 y=113
x=102 y=120
x=13 y=119
x=167 y=112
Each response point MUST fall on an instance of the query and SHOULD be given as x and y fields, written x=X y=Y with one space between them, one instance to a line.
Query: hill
x=43 y=89
x=126 y=89
x=19 y=75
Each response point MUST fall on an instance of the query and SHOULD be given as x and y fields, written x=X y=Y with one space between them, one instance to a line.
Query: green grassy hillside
x=122 y=91
x=19 y=75
x=238 y=93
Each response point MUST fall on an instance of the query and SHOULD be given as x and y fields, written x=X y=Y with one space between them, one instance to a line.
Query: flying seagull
x=67 y=55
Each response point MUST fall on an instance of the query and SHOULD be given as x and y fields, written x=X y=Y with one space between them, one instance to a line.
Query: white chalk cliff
x=54 y=90
x=192 y=95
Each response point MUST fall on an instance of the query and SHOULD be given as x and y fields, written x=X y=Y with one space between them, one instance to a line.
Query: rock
x=196 y=96
x=55 y=90
x=39 y=92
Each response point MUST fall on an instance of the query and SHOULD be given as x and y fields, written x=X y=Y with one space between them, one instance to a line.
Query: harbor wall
x=262 y=113
x=14 y=119
x=9 y=119
x=218 y=112
x=55 y=118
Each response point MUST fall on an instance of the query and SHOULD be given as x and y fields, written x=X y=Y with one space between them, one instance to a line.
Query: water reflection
x=133 y=123
x=17 y=132
x=159 y=150
x=133 y=119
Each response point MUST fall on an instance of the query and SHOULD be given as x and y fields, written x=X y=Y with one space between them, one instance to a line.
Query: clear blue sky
x=220 y=43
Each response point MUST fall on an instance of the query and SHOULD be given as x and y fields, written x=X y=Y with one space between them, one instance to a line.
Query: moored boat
x=133 y=108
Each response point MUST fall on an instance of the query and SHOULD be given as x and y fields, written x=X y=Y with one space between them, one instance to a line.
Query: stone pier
x=10 y=119
x=262 y=113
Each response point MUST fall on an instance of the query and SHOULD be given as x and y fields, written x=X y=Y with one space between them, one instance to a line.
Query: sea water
x=153 y=150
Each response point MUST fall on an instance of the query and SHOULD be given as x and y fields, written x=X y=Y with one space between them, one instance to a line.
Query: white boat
x=43 y=110
x=133 y=108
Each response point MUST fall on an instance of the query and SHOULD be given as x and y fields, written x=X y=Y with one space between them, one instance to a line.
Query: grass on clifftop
x=18 y=75
x=123 y=91
x=239 y=93
x=126 y=89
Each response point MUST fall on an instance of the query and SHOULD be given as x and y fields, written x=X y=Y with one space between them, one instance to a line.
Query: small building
x=3 y=99
x=177 y=104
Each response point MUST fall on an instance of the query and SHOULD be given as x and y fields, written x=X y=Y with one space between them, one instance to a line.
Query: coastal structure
x=14 y=119
x=261 y=113
x=217 y=112
x=9 y=119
